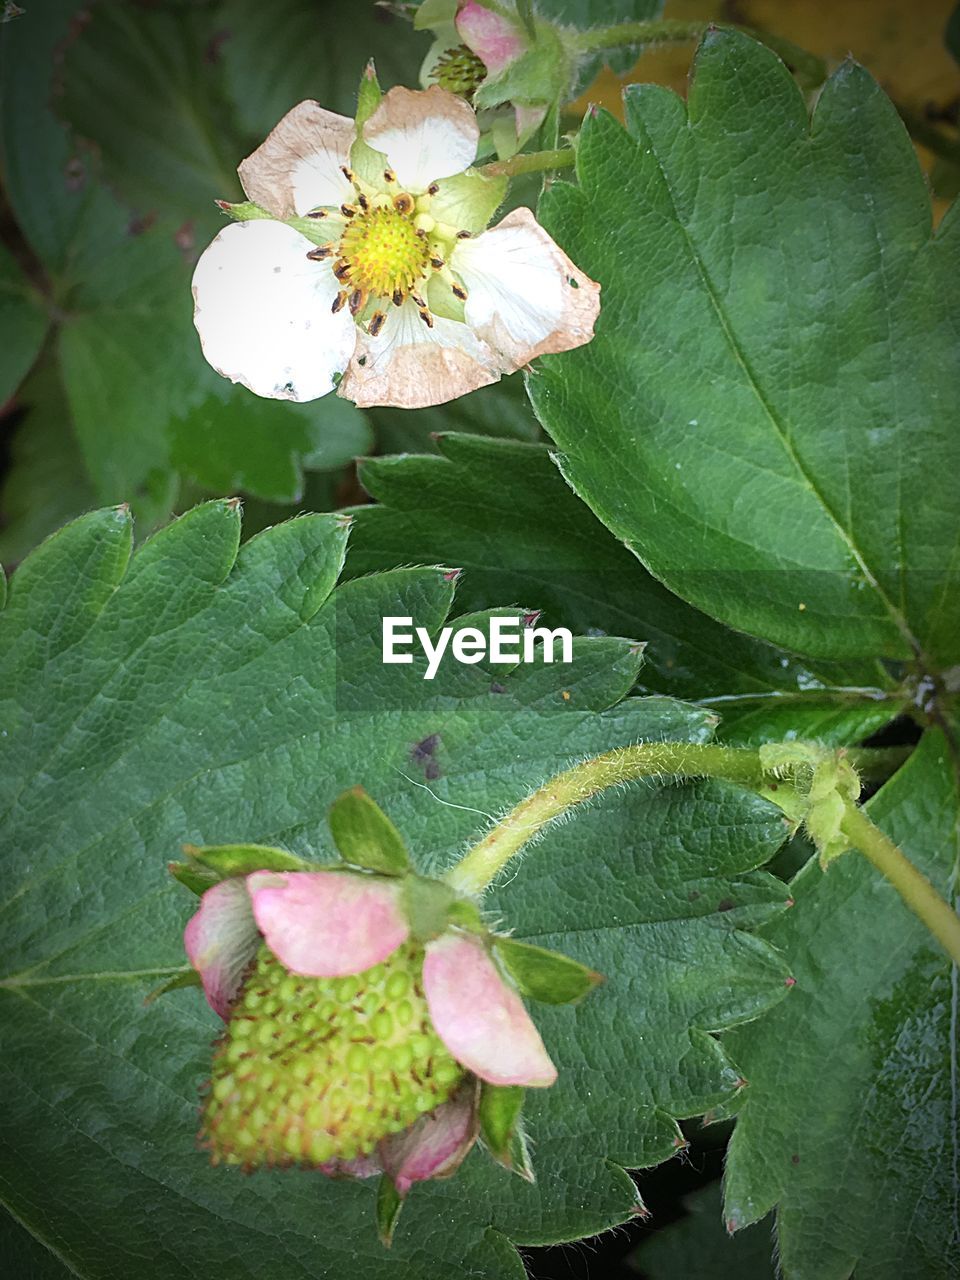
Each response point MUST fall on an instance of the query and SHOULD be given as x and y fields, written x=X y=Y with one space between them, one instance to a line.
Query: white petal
x=426 y=134
x=263 y=312
x=297 y=167
x=411 y=366
x=525 y=296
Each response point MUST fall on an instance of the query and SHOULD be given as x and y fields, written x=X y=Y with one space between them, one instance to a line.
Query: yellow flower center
x=383 y=252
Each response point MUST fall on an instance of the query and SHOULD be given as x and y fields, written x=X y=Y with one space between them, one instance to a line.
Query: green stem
x=912 y=885
x=530 y=162
x=481 y=864
x=810 y=69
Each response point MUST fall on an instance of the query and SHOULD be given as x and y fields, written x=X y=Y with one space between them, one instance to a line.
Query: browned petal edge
x=414 y=376
x=266 y=174
x=580 y=310
x=402 y=108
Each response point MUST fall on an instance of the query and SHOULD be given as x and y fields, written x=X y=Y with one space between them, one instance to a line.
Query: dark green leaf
x=144 y=84
x=848 y=1124
x=698 y=1245
x=199 y=694
x=46 y=484
x=545 y=975
x=276 y=55
x=761 y=415
x=23 y=322
x=365 y=835
x=502 y=511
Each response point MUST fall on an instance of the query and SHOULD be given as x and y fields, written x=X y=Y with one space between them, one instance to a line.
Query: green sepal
x=428 y=904
x=193 y=877
x=227 y=860
x=434 y=13
x=189 y=978
x=541 y=75
x=389 y=1204
x=368 y=95
x=545 y=975
x=501 y=1128
x=243 y=210
x=367 y=164
x=316 y=230
x=466 y=915
x=469 y=200
x=365 y=835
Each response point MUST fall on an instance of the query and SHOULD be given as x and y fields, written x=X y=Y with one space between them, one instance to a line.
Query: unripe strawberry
x=313 y=1070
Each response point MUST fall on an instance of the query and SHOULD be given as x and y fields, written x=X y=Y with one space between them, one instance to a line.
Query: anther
x=433 y=188
x=403 y=203
x=317 y=213
x=398 y=297
x=464 y=235
x=377 y=321
x=342 y=270
x=437 y=264
x=338 y=302
x=348 y=210
x=459 y=292
x=348 y=173
x=363 y=202
x=421 y=234
x=389 y=175
x=357 y=301
x=321 y=252
x=418 y=300
x=427 y=318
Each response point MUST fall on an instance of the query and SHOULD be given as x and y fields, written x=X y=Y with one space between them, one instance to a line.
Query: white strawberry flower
x=366 y=266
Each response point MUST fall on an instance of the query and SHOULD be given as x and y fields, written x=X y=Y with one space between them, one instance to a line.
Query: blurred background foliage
x=121 y=121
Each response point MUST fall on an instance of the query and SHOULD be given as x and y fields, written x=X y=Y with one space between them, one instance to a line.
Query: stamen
x=377 y=321
x=321 y=252
x=459 y=292
x=342 y=270
x=363 y=202
x=426 y=317
x=418 y=300
x=348 y=173
x=403 y=203
x=421 y=233
x=358 y=300
x=433 y=189
x=464 y=235
x=339 y=302
x=348 y=210
x=317 y=213
x=389 y=175
x=398 y=297
x=437 y=264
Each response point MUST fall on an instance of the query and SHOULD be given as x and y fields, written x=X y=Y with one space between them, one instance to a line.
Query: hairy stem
x=485 y=860
x=810 y=69
x=481 y=864
x=530 y=162
x=912 y=885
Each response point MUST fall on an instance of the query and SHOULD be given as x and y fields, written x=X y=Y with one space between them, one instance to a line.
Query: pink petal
x=435 y=1145
x=220 y=940
x=360 y=1167
x=495 y=40
x=479 y=1018
x=326 y=924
